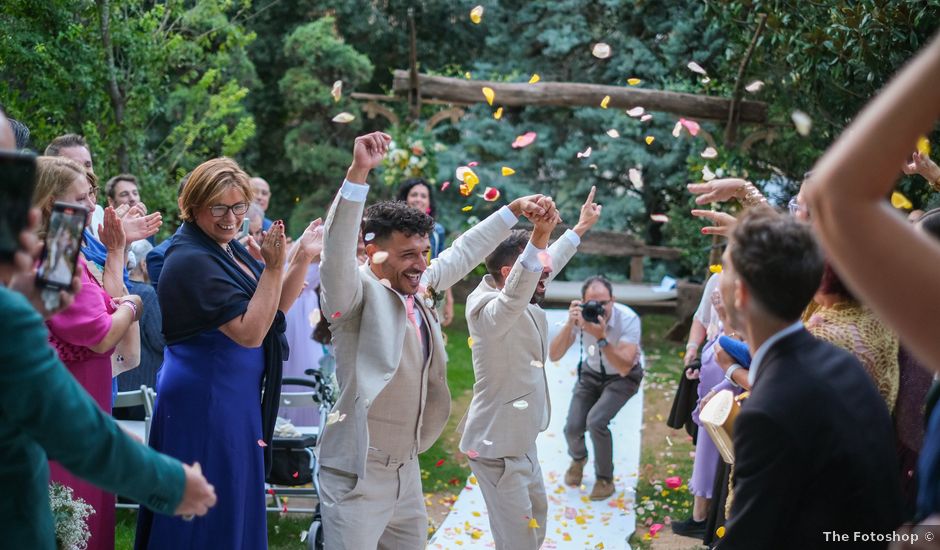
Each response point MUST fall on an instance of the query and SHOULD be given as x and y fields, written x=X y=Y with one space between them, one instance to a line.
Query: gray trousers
x=384 y=511
x=596 y=401
x=514 y=493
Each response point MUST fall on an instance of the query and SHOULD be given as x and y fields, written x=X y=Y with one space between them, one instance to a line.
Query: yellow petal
x=923 y=146
x=470 y=341
x=533 y=524
x=489 y=94
x=337 y=91
x=471 y=179
x=498 y=114
x=633 y=81
x=715 y=268
x=467 y=75
x=605 y=101
x=720 y=532
x=650 y=140
x=535 y=78
x=466 y=208
x=900 y=201
x=507 y=171
x=476 y=15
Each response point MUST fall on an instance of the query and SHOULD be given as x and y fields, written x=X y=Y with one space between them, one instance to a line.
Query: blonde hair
x=54 y=176
x=209 y=181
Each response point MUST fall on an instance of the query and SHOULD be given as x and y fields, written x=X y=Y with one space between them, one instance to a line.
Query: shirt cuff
x=573 y=237
x=355 y=192
x=506 y=214
x=530 y=258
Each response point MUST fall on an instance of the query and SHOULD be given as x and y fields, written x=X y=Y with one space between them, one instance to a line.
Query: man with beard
x=510 y=404
x=390 y=357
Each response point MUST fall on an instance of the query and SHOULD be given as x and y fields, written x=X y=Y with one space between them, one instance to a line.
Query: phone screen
x=63 y=242
x=17 y=181
x=246 y=228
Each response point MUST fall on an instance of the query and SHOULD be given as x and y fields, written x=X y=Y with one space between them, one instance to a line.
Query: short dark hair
x=506 y=253
x=408 y=185
x=930 y=222
x=109 y=187
x=597 y=279
x=54 y=149
x=778 y=259
x=383 y=218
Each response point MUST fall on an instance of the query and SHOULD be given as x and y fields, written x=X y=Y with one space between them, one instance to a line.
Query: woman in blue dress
x=218 y=389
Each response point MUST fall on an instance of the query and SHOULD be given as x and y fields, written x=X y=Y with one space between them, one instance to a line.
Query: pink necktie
x=410 y=307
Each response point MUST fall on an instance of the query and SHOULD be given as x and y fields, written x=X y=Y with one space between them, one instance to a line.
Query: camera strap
x=582 y=358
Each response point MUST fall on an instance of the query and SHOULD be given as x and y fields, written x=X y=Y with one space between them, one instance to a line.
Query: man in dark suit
x=814 y=451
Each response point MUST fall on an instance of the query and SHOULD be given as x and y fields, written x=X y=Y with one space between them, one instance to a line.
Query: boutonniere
x=432 y=298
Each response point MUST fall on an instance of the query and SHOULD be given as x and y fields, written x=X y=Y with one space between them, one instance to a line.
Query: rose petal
x=923 y=146
x=487 y=442
x=379 y=257
x=261 y=443
x=537 y=364
x=601 y=50
x=715 y=268
x=646 y=117
x=707 y=174
x=467 y=208
x=369 y=237
x=802 y=121
x=524 y=140
x=507 y=171
x=636 y=111
x=533 y=524
x=545 y=258
x=659 y=218
x=491 y=194
x=900 y=202
x=535 y=78
x=472 y=164
x=649 y=140
x=344 y=118
x=445 y=185
x=476 y=15
x=655 y=528
x=613 y=133
x=498 y=114
x=439 y=463
x=470 y=341
x=677 y=130
x=754 y=87
x=336 y=315
x=489 y=94
x=472 y=454
x=314 y=317
x=633 y=81
x=521 y=405
x=690 y=125
x=696 y=68
x=337 y=91
x=673 y=482
x=709 y=153
x=636 y=178
x=605 y=102
x=584 y=154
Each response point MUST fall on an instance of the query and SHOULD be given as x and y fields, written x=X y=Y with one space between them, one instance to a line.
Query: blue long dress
x=209 y=405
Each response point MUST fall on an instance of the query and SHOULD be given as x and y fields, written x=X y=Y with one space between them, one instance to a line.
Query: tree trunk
x=118 y=100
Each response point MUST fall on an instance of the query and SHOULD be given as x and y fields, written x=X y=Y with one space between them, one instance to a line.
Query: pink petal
x=491 y=194
x=445 y=185
x=674 y=482
x=472 y=164
x=690 y=125
x=546 y=259
x=524 y=140
x=261 y=443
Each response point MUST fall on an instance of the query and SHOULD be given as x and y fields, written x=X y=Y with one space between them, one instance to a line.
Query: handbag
x=680 y=416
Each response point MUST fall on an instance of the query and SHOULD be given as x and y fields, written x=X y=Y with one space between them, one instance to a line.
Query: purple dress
x=305 y=352
x=706 y=454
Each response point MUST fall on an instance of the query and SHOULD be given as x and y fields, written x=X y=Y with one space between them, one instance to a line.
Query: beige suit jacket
x=510 y=404
x=369 y=331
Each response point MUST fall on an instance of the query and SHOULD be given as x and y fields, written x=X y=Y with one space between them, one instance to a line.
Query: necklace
x=228 y=250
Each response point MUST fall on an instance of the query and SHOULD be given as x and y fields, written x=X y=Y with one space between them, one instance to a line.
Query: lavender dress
x=305 y=352
x=706 y=454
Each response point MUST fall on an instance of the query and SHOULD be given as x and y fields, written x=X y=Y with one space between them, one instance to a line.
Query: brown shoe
x=602 y=490
x=574 y=473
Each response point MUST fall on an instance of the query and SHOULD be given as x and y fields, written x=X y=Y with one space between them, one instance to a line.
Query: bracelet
x=691 y=345
x=752 y=196
x=129 y=304
x=730 y=371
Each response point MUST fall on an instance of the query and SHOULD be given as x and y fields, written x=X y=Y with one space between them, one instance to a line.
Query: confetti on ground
x=476 y=15
x=498 y=114
x=601 y=50
x=696 y=68
x=489 y=94
x=709 y=153
x=524 y=140
x=337 y=91
x=379 y=257
x=535 y=78
x=344 y=118
x=605 y=102
x=633 y=81
x=802 y=121
x=507 y=171
x=755 y=86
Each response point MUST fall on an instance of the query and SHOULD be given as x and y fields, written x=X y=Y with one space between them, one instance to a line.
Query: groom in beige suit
x=390 y=358
x=510 y=404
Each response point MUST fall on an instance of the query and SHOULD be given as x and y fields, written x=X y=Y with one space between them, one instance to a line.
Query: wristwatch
x=602 y=343
x=730 y=371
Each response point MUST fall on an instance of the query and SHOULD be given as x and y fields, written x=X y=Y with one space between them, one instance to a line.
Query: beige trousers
x=514 y=493
x=384 y=511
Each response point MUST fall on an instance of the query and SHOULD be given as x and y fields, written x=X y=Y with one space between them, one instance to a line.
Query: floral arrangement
x=70 y=515
x=411 y=154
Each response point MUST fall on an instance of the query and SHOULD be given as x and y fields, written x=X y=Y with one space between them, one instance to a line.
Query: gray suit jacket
x=509 y=334
x=369 y=332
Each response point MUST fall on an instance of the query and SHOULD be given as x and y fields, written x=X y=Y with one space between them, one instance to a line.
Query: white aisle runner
x=574 y=521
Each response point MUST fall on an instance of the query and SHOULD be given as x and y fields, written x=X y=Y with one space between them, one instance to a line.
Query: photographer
x=610 y=369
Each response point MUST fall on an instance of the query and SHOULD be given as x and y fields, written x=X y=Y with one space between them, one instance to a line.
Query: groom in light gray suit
x=390 y=358
x=510 y=404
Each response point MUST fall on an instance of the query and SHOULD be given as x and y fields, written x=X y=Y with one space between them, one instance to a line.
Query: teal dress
x=46 y=415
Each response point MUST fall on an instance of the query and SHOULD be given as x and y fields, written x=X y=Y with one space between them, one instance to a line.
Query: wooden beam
x=569 y=94
x=614 y=244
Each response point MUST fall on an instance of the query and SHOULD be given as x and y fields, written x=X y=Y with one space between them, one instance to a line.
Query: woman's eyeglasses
x=221 y=210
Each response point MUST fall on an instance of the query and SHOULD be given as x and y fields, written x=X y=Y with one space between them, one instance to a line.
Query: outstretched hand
x=111 y=232
x=590 y=213
x=923 y=166
x=368 y=152
x=717 y=190
x=722 y=223
x=311 y=241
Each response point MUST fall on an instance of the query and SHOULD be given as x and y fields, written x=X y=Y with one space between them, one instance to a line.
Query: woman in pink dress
x=86 y=333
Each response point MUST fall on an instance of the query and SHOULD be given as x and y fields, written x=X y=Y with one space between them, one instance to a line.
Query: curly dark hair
x=506 y=253
x=778 y=259
x=408 y=185
x=382 y=218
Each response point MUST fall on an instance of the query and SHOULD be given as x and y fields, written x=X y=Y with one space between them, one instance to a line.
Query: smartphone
x=17 y=181
x=63 y=243
x=246 y=228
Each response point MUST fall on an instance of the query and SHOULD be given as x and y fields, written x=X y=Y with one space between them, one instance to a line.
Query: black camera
x=591 y=311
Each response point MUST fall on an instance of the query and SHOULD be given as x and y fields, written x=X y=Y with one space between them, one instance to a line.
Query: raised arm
x=564 y=248
x=859 y=229
x=306 y=250
x=111 y=234
x=340 y=286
